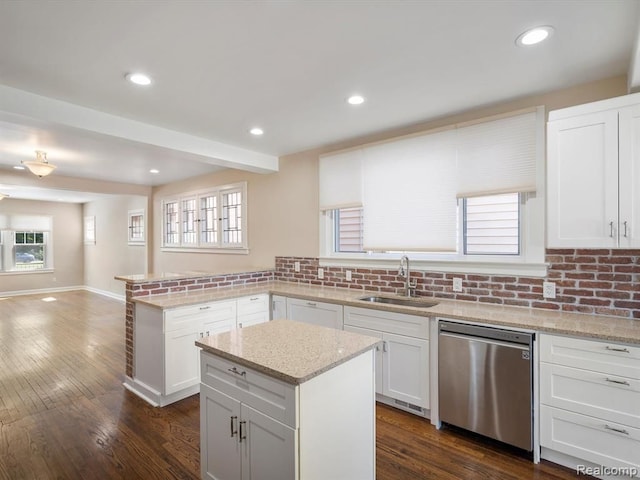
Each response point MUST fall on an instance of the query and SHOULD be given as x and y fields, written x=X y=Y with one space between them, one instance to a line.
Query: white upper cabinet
x=593 y=175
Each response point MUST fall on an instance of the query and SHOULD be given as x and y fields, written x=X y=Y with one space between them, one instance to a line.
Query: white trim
x=105 y=293
x=215 y=250
x=518 y=268
x=16 y=293
x=26 y=272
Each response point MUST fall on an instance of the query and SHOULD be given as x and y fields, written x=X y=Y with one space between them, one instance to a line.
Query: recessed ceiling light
x=155 y=171
x=18 y=167
x=256 y=131
x=139 y=78
x=355 y=100
x=534 y=35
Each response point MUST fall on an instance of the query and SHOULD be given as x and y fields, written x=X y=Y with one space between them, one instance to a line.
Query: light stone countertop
x=615 y=329
x=152 y=277
x=290 y=351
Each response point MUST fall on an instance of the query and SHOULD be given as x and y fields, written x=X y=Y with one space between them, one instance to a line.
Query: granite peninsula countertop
x=290 y=351
x=609 y=328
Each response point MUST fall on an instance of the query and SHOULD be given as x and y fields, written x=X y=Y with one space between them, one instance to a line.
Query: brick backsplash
x=600 y=282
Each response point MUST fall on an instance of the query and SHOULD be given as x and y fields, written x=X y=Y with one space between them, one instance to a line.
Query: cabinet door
x=582 y=181
x=315 y=313
x=269 y=447
x=378 y=359
x=629 y=228
x=252 y=319
x=219 y=429
x=278 y=307
x=181 y=359
x=406 y=369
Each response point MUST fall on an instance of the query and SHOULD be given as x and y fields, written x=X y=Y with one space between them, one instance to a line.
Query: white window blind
x=491 y=225
x=410 y=194
x=341 y=180
x=497 y=156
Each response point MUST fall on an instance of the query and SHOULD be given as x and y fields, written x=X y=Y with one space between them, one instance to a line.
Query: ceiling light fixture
x=3 y=195
x=18 y=167
x=40 y=166
x=256 y=131
x=534 y=36
x=355 y=100
x=155 y=171
x=139 y=79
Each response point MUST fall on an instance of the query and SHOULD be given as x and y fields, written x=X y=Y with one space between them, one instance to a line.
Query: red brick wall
x=601 y=282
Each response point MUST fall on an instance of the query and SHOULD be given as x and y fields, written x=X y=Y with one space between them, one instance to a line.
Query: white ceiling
x=221 y=67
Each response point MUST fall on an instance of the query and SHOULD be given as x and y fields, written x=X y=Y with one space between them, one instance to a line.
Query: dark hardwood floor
x=64 y=413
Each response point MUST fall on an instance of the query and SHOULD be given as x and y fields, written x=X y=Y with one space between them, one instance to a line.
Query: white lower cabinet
x=590 y=402
x=402 y=362
x=243 y=443
x=316 y=313
x=278 y=307
x=253 y=426
x=166 y=360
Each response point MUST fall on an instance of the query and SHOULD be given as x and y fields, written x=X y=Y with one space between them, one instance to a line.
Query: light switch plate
x=549 y=290
x=296 y=266
x=457 y=284
x=320 y=273
x=348 y=275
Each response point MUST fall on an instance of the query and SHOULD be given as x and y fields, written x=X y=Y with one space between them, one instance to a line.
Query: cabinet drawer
x=178 y=318
x=612 y=398
x=605 y=357
x=398 y=323
x=252 y=319
x=271 y=396
x=589 y=438
x=253 y=304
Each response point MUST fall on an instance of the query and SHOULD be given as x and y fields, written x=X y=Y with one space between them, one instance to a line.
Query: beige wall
x=283 y=207
x=68 y=261
x=112 y=255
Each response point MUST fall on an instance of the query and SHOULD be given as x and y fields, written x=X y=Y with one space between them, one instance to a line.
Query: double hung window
x=25 y=243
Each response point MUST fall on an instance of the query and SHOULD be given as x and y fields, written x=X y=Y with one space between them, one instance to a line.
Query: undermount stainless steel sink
x=405 y=302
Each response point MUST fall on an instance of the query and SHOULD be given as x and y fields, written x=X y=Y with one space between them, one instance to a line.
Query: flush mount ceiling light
x=355 y=100
x=256 y=131
x=154 y=171
x=3 y=195
x=40 y=166
x=18 y=167
x=534 y=36
x=138 y=79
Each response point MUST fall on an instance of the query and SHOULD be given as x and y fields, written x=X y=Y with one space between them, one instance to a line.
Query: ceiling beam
x=47 y=109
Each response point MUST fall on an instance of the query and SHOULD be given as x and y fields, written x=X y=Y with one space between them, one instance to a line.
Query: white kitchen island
x=286 y=400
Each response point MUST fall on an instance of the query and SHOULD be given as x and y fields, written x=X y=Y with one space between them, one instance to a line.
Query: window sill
x=225 y=251
x=26 y=272
x=469 y=266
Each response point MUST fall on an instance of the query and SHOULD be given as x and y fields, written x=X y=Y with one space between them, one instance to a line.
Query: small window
x=348 y=230
x=232 y=218
x=29 y=250
x=136 y=227
x=171 y=223
x=492 y=225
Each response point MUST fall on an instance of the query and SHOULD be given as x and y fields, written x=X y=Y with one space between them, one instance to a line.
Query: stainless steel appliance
x=485 y=380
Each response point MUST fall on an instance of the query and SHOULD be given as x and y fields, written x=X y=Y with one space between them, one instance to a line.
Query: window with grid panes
x=211 y=219
x=136 y=227
x=29 y=250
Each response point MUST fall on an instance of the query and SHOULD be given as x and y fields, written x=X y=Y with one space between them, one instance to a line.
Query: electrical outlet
x=348 y=275
x=457 y=284
x=296 y=266
x=320 y=273
x=549 y=290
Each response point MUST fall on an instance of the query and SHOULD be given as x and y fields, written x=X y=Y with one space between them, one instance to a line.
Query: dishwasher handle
x=489 y=341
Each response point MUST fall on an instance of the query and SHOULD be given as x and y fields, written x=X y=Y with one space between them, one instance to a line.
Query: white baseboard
x=45 y=291
x=105 y=293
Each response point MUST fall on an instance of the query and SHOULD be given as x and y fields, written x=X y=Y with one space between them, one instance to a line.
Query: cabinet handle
x=253 y=299
x=607 y=427
x=205 y=308
x=233 y=430
x=619 y=382
x=611 y=229
x=384 y=346
x=614 y=349
x=625 y=228
x=243 y=434
x=201 y=335
x=311 y=304
x=208 y=333
x=240 y=325
x=235 y=371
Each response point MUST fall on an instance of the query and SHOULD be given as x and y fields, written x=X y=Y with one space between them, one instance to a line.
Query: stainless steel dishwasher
x=485 y=381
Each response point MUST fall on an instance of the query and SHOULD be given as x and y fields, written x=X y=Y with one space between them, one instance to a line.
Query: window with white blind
x=209 y=220
x=468 y=193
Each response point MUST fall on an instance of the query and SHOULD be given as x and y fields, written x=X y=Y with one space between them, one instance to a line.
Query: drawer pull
x=243 y=434
x=234 y=431
x=619 y=382
x=312 y=304
x=614 y=349
x=253 y=299
x=607 y=427
x=235 y=371
x=205 y=308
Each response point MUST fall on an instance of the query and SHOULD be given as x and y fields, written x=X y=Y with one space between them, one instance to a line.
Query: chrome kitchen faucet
x=405 y=271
